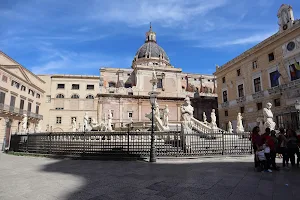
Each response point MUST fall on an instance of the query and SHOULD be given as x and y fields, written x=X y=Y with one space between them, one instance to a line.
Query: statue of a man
x=230 y=129
x=85 y=121
x=268 y=117
x=213 y=119
x=109 y=120
x=204 y=117
x=74 y=125
x=166 y=116
x=239 y=124
x=24 y=123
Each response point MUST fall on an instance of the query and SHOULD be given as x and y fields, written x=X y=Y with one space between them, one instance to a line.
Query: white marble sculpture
x=156 y=110
x=230 y=129
x=213 y=123
x=239 y=124
x=74 y=125
x=268 y=117
x=85 y=122
x=187 y=111
x=204 y=118
x=109 y=121
x=24 y=123
x=166 y=116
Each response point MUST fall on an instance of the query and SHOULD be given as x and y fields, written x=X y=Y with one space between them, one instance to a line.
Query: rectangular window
x=259 y=106
x=271 y=57
x=2 y=97
x=75 y=86
x=31 y=92
x=257 y=86
x=226 y=113
x=241 y=90
x=294 y=71
x=90 y=87
x=238 y=72
x=254 y=64
x=29 y=107
x=274 y=78
x=242 y=109
x=22 y=104
x=37 y=109
x=73 y=118
x=223 y=80
x=60 y=86
x=38 y=95
x=58 y=120
x=15 y=84
x=4 y=79
x=12 y=101
x=277 y=102
x=159 y=83
x=130 y=114
x=225 y=96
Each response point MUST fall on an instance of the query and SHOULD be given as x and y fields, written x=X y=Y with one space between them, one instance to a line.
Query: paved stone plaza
x=24 y=177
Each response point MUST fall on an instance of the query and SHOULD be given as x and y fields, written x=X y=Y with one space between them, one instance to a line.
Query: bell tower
x=285 y=17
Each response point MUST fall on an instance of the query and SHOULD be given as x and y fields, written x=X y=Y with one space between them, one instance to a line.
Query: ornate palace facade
x=268 y=72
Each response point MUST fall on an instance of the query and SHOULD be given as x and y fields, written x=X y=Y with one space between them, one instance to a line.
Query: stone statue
x=47 y=128
x=213 y=123
x=166 y=116
x=38 y=127
x=230 y=129
x=204 y=117
x=156 y=110
x=109 y=121
x=24 y=123
x=239 y=124
x=85 y=121
x=74 y=125
x=186 y=123
x=268 y=117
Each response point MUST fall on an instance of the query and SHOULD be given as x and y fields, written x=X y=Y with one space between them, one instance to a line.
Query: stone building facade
x=268 y=72
x=21 y=92
x=122 y=91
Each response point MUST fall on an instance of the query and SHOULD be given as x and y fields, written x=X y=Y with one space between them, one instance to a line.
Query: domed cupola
x=150 y=53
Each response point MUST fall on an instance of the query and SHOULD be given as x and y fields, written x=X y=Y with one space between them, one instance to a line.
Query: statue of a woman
x=187 y=110
x=24 y=123
x=230 y=130
x=109 y=121
x=268 y=117
x=166 y=116
x=74 y=125
x=204 y=117
x=85 y=121
x=213 y=119
x=239 y=124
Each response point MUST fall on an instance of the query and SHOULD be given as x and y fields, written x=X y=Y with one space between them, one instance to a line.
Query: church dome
x=151 y=51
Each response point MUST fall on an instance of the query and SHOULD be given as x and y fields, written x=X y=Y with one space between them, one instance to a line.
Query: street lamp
x=152 y=148
x=297 y=106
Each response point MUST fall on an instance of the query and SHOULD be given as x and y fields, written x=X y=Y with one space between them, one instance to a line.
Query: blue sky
x=79 y=37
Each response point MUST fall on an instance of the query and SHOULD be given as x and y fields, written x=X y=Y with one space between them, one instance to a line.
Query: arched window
x=111 y=84
x=75 y=96
x=60 y=96
x=89 y=96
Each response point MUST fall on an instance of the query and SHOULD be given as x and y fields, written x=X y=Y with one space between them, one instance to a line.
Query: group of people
x=270 y=144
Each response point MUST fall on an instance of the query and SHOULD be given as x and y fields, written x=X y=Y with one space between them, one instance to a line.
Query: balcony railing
x=285 y=87
x=258 y=95
x=241 y=99
x=16 y=111
x=225 y=104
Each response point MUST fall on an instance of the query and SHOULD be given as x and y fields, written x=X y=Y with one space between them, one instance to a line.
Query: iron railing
x=171 y=143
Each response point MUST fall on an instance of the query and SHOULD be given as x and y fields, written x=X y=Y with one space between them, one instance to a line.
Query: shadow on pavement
x=205 y=178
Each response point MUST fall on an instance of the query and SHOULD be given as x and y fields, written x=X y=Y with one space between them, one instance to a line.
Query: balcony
x=274 y=90
x=241 y=100
x=10 y=110
x=225 y=104
x=258 y=95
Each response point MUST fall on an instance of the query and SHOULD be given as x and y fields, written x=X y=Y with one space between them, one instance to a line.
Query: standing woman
x=256 y=144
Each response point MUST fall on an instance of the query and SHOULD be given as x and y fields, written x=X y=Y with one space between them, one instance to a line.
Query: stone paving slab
x=24 y=178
